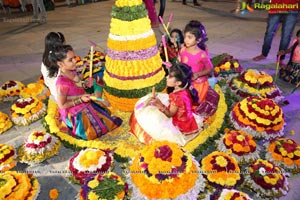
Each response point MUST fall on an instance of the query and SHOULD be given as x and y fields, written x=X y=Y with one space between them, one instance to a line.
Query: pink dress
x=86 y=120
x=198 y=62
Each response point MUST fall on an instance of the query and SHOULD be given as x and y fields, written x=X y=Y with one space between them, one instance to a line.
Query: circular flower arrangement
x=10 y=90
x=163 y=167
x=240 y=145
x=27 y=110
x=221 y=169
x=255 y=83
x=7 y=157
x=285 y=153
x=266 y=179
x=38 y=90
x=5 y=122
x=225 y=64
x=106 y=186
x=14 y=185
x=232 y=194
x=89 y=162
x=38 y=147
x=261 y=117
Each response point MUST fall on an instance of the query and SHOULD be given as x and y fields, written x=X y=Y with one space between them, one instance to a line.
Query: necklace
x=75 y=78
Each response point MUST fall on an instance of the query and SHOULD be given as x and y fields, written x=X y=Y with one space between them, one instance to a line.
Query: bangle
x=74 y=103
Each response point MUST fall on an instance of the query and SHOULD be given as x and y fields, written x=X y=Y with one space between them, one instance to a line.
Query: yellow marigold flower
x=93 y=183
x=53 y=194
x=240 y=138
x=217 y=69
x=236 y=65
x=292 y=132
x=221 y=161
x=290 y=155
x=297 y=153
x=92 y=196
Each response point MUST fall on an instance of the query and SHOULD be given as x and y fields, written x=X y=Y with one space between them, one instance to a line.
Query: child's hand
x=85 y=98
x=281 y=52
x=156 y=102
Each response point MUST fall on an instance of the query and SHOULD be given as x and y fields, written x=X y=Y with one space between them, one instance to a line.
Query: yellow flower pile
x=90 y=157
x=259 y=116
x=10 y=90
x=16 y=185
x=38 y=147
x=154 y=163
x=7 y=157
x=5 y=122
x=221 y=169
x=266 y=179
x=27 y=110
x=255 y=83
x=239 y=144
x=38 y=90
x=284 y=152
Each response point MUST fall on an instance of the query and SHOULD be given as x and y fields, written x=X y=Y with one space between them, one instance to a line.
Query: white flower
x=262 y=171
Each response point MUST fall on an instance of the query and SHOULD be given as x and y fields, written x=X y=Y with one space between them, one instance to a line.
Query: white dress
x=49 y=82
x=157 y=124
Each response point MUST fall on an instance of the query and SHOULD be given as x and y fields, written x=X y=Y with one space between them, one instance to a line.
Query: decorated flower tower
x=133 y=64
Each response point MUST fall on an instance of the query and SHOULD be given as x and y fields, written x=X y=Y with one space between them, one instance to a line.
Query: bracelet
x=77 y=101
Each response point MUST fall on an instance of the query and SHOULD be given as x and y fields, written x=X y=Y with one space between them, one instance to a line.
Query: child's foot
x=260 y=57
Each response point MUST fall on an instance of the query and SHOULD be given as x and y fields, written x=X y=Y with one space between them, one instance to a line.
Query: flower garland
x=27 y=110
x=125 y=3
x=10 y=90
x=261 y=117
x=134 y=27
x=163 y=166
x=255 y=83
x=7 y=157
x=225 y=64
x=16 y=185
x=38 y=147
x=221 y=169
x=5 y=122
x=266 y=179
x=89 y=162
x=38 y=90
x=284 y=152
x=232 y=194
x=239 y=145
x=106 y=186
x=127 y=13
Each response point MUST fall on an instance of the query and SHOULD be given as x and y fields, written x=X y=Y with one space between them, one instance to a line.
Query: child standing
x=85 y=119
x=291 y=73
x=195 y=54
x=171 y=115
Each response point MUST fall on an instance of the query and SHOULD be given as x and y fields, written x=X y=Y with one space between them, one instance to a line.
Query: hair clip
x=58 y=34
x=50 y=52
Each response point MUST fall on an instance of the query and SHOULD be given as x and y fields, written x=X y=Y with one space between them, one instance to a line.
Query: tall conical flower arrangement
x=133 y=64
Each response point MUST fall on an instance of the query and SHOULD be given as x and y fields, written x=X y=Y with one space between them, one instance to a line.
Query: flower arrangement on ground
x=106 y=186
x=5 y=122
x=239 y=145
x=261 y=117
x=284 y=152
x=266 y=179
x=10 y=90
x=38 y=90
x=231 y=194
x=255 y=83
x=38 y=147
x=168 y=170
x=27 y=110
x=14 y=185
x=225 y=65
x=8 y=157
x=88 y=162
x=220 y=169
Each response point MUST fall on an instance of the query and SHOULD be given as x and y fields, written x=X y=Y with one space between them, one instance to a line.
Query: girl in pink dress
x=195 y=54
x=85 y=119
x=291 y=73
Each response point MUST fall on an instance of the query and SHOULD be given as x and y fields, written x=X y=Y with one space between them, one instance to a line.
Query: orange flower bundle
x=261 y=117
x=266 y=179
x=242 y=145
x=221 y=169
x=163 y=166
x=284 y=152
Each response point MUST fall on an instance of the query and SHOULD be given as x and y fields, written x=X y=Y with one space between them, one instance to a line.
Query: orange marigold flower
x=288 y=161
x=277 y=157
x=53 y=194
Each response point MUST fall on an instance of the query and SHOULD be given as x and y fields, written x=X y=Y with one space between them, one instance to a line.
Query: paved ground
x=22 y=45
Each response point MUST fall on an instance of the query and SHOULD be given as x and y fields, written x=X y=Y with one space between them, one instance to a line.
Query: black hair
x=298 y=33
x=52 y=40
x=180 y=38
x=58 y=53
x=197 y=28
x=183 y=73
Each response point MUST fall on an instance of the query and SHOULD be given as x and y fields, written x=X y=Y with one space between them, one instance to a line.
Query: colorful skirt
x=291 y=73
x=92 y=122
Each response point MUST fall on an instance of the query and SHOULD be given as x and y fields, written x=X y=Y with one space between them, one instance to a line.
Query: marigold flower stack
x=133 y=64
